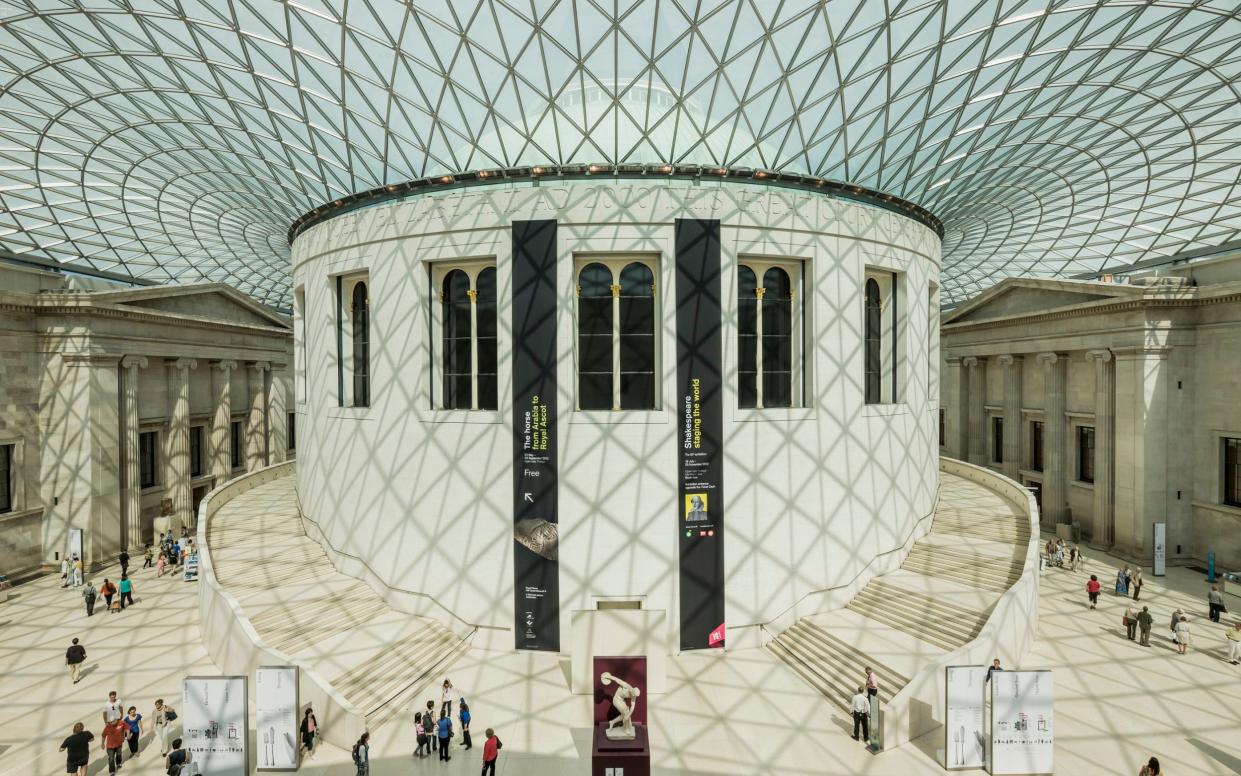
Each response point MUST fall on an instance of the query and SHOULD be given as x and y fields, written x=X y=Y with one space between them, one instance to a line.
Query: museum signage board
x=536 y=587
x=1022 y=722
x=965 y=728
x=1161 y=549
x=700 y=424
x=214 y=723
x=276 y=719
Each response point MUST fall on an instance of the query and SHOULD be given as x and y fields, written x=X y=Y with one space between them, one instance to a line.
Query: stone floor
x=737 y=713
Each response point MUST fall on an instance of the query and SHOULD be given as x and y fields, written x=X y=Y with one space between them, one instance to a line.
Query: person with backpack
x=362 y=754
x=148 y=557
x=177 y=759
x=444 y=730
x=428 y=722
x=75 y=656
x=420 y=735
x=163 y=717
x=89 y=595
x=464 y=715
x=491 y=753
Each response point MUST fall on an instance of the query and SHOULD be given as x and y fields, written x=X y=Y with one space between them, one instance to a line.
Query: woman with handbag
x=310 y=727
x=420 y=733
x=162 y=721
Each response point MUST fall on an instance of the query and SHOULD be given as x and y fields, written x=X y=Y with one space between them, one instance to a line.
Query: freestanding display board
x=214 y=723
x=1161 y=549
x=1022 y=717
x=536 y=536
x=276 y=718
x=700 y=415
x=965 y=728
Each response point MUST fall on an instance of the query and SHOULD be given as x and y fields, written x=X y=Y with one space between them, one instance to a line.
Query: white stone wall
x=424 y=497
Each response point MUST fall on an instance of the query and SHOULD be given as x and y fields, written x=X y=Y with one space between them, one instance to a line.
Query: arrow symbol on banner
x=528 y=497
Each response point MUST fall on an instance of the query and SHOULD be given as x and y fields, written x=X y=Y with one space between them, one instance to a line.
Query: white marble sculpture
x=625 y=699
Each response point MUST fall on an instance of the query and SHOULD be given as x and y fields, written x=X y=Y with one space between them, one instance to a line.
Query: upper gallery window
x=197 y=434
x=236 y=444
x=1232 y=471
x=997 y=439
x=616 y=345
x=881 y=329
x=1036 y=445
x=299 y=344
x=148 y=472
x=6 y=478
x=353 y=338
x=467 y=335
x=1085 y=454
x=768 y=339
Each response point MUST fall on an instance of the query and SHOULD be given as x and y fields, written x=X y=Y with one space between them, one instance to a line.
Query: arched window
x=360 y=317
x=777 y=353
x=458 y=353
x=594 y=337
x=636 y=319
x=747 y=337
x=874 y=345
x=485 y=328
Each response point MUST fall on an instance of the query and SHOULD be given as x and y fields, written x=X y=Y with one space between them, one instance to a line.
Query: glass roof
x=176 y=140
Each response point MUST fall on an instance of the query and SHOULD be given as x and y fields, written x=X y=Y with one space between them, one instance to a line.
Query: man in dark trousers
x=860 y=705
x=124 y=563
x=75 y=656
x=89 y=594
x=1145 y=622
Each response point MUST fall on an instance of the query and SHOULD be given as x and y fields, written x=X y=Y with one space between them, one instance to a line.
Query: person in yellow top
x=1234 y=643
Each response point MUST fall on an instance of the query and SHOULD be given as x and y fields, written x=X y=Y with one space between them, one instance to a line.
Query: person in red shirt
x=1092 y=590
x=491 y=751
x=114 y=735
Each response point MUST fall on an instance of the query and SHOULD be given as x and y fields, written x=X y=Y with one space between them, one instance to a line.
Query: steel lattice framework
x=176 y=140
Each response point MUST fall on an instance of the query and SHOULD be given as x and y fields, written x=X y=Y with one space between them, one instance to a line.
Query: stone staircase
x=375 y=656
x=941 y=596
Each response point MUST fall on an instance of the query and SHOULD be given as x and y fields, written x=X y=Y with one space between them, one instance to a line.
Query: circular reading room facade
x=704 y=393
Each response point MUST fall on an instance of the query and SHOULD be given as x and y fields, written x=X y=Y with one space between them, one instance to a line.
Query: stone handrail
x=1008 y=633
x=230 y=638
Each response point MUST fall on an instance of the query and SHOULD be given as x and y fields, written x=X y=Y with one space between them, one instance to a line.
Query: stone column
x=178 y=469
x=221 y=421
x=1055 y=497
x=1140 y=472
x=977 y=409
x=277 y=415
x=956 y=417
x=131 y=488
x=1012 y=413
x=256 y=425
x=1104 y=528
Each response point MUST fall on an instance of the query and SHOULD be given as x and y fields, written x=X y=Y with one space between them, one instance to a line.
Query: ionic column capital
x=1102 y=356
x=134 y=362
x=952 y=361
x=182 y=363
x=1048 y=358
x=224 y=365
x=261 y=366
x=1008 y=359
x=971 y=361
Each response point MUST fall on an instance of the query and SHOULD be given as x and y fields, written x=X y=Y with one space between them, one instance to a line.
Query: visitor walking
x=420 y=735
x=66 y=568
x=1176 y=618
x=114 y=735
x=1092 y=590
x=75 y=656
x=148 y=556
x=127 y=591
x=77 y=571
x=1079 y=559
x=113 y=709
x=1182 y=635
x=860 y=705
x=1136 y=582
x=1151 y=768
x=1130 y=620
x=1145 y=622
x=1215 y=603
x=444 y=730
x=1234 y=643
x=133 y=720
x=428 y=721
x=309 y=729
x=464 y=715
x=446 y=699
x=124 y=563
x=77 y=750
x=177 y=759
x=162 y=725
x=362 y=754
x=872 y=683
x=491 y=753
x=107 y=590
x=991 y=669
x=1122 y=581
x=160 y=563
x=89 y=595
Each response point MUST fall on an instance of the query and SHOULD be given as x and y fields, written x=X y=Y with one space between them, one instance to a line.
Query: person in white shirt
x=446 y=699
x=872 y=683
x=860 y=705
x=113 y=709
x=1234 y=643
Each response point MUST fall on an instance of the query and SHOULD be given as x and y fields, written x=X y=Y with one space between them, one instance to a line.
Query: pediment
x=1024 y=300
x=213 y=304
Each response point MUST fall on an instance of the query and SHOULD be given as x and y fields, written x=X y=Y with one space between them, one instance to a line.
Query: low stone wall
x=233 y=643
x=1009 y=632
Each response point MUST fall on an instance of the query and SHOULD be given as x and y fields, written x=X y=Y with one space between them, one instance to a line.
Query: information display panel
x=214 y=716
x=1161 y=549
x=965 y=729
x=275 y=711
x=1022 y=722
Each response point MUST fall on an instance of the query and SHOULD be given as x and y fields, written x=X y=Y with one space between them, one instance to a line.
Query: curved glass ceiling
x=176 y=140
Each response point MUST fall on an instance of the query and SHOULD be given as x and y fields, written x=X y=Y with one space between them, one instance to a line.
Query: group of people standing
x=123 y=726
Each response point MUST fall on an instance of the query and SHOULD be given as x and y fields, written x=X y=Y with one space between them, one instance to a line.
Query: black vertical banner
x=536 y=588
x=700 y=430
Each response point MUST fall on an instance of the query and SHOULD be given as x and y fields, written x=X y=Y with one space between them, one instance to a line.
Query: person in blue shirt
x=445 y=733
x=465 y=724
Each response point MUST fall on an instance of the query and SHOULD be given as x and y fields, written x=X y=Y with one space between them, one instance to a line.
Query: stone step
x=942 y=636
x=430 y=670
x=965 y=576
x=1006 y=571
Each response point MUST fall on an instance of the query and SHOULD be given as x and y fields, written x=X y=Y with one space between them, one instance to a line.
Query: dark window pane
x=456 y=340
x=6 y=478
x=1232 y=471
x=747 y=393
x=594 y=281
x=487 y=391
x=873 y=359
x=747 y=356
x=777 y=353
x=360 y=313
x=637 y=315
x=595 y=354
x=147 y=459
x=777 y=302
x=594 y=316
x=486 y=303
x=487 y=356
x=594 y=390
x=637 y=354
x=637 y=390
x=997 y=440
x=747 y=338
x=777 y=389
x=636 y=280
x=1085 y=454
x=747 y=316
x=1036 y=446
